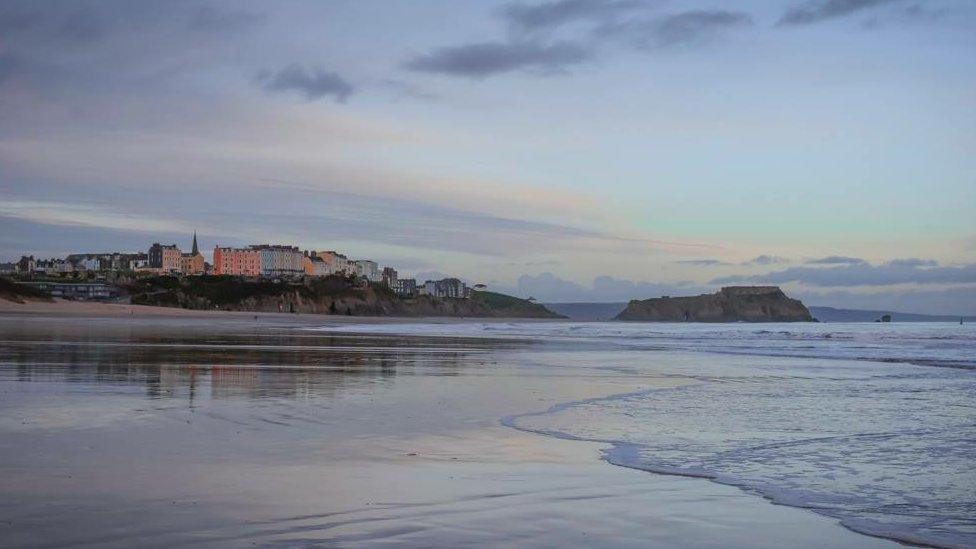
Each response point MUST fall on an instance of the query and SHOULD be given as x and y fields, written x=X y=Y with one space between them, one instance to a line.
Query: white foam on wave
x=932 y=344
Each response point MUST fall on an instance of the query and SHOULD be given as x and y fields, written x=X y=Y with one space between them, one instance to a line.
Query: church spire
x=196 y=250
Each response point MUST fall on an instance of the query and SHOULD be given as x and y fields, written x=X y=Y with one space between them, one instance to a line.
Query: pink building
x=236 y=261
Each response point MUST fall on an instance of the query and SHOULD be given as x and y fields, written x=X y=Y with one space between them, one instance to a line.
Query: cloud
x=551 y=288
x=766 y=260
x=836 y=260
x=913 y=262
x=116 y=45
x=685 y=29
x=605 y=21
x=758 y=260
x=815 y=11
x=312 y=217
x=951 y=301
x=490 y=58
x=210 y=19
x=553 y=14
x=909 y=271
x=403 y=89
x=703 y=262
x=314 y=83
x=84 y=215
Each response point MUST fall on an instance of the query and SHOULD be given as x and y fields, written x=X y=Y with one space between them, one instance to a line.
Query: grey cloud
x=703 y=262
x=551 y=288
x=836 y=260
x=687 y=28
x=108 y=45
x=913 y=262
x=759 y=260
x=607 y=21
x=863 y=274
x=298 y=216
x=554 y=14
x=489 y=58
x=767 y=260
x=951 y=301
x=211 y=19
x=83 y=25
x=816 y=11
x=314 y=83
x=911 y=15
x=401 y=88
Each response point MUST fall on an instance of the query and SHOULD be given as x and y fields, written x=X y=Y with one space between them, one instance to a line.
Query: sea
x=873 y=424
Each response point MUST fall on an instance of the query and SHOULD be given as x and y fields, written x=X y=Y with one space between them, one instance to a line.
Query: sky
x=568 y=150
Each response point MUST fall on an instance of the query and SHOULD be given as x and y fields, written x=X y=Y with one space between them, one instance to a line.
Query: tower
x=196 y=250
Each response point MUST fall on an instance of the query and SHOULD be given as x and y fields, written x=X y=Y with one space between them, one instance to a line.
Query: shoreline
x=92 y=309
x=424 y=463
x=610 y=452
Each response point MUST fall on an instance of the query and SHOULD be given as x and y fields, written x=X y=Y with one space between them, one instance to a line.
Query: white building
x=367 y=269
x=277 y=260
x=448 y=287
x=315 y=266
x=335 y=262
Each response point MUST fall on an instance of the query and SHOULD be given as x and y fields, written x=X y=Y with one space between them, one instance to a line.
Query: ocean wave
x=901 y=481
x=932 y=344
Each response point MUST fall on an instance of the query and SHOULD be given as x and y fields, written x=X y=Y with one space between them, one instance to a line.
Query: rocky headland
x=331 y=295
x=730 y=304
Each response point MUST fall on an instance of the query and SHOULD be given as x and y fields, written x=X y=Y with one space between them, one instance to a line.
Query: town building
x=278 y=260
x=138 y=262
x=53 y=266
x=165 y=258
x=236 y=261
x=389 y=276
x=193 y=262
x=405 y=287
x=335 y=262
x=447 y=287
x=366 y=269
x=27 y=264
x=108 y=262
x=315 y=265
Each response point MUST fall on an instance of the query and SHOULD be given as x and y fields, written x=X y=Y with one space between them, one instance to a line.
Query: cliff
x=731 y=304
x=334 y=295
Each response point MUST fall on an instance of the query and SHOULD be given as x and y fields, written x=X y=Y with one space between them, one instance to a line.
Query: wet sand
x=64 y=309
x=163 y=431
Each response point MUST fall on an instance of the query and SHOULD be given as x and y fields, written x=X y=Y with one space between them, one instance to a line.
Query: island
x=730 y=304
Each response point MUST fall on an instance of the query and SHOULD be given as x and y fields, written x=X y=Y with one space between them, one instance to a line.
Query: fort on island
x=730 y=304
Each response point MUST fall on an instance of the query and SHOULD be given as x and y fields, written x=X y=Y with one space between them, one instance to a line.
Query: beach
x=176 y=428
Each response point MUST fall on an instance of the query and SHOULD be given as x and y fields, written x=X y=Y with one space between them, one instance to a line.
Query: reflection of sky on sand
x=119 y=435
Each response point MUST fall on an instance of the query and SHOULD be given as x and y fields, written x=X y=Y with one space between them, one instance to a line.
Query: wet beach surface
x=201 y=432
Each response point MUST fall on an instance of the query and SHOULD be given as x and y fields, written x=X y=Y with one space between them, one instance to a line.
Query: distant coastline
x=605 y=311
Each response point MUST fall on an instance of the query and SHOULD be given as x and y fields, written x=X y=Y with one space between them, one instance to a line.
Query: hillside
x=730 y=304
x=334 y=295
x=18 y=293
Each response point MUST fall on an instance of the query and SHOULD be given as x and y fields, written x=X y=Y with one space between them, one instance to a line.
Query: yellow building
x=193 y=263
